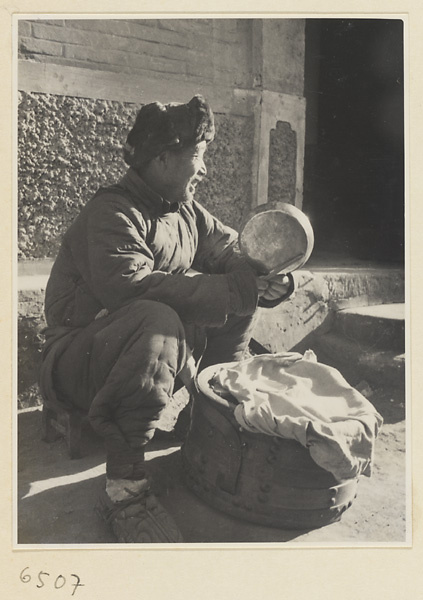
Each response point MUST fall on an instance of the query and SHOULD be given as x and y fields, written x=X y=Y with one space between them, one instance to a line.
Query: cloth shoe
x=140 y=519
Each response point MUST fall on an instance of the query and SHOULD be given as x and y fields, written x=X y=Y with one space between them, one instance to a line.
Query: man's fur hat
x=160 y=127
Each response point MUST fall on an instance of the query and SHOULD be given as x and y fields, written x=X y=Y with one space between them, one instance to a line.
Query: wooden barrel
x=256 y=477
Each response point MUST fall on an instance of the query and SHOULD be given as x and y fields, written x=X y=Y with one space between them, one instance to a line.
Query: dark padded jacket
x=129 y=243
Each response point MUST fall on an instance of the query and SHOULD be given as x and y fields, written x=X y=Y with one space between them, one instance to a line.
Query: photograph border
x=226 y=547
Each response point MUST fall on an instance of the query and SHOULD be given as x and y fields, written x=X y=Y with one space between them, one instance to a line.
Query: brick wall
x=210 y=51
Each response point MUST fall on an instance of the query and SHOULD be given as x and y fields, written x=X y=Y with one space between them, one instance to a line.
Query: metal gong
x=277 y=238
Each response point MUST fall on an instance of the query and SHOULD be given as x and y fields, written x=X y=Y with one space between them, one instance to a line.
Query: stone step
x=381 y=327
x=319 y=294
x=358 y=362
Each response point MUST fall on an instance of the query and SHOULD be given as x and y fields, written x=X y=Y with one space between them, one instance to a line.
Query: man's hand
x=274 y=287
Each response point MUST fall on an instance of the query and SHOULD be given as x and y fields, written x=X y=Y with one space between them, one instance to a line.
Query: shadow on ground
x=56 y=496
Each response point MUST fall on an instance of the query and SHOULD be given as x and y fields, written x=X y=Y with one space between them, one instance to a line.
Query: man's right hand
x=271 y=288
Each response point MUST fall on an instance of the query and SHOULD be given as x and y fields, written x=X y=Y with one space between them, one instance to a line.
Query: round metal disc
x=277 y=238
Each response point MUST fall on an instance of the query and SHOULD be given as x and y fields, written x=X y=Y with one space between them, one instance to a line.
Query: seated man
x=124 y=316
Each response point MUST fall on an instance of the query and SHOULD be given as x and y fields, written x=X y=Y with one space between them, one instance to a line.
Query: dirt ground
x=56 y=495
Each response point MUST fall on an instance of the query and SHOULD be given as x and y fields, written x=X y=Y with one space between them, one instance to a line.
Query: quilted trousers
x=121 y=369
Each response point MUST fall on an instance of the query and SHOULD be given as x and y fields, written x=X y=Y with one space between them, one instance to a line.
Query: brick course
x=112 y=27
x=24 y=29
x=32 y=46
x=58 y=34
x=96 y=55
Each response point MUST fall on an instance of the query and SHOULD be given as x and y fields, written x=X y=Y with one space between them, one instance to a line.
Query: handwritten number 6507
x=59 y=582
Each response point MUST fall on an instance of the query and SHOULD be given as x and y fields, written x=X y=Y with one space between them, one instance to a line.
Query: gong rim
x=276 y=237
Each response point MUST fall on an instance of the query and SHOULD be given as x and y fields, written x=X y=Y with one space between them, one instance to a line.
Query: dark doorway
x=354 y=160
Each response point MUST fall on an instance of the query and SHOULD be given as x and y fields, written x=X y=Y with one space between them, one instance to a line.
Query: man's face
x=184 y=170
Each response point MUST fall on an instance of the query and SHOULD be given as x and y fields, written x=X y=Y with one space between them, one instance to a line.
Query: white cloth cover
x=295 y=397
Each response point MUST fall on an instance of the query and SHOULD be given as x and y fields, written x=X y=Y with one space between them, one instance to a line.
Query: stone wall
x=69 y=147
x=30 y=340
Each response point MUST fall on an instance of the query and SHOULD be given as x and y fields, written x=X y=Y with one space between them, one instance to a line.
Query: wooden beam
x=64 y=80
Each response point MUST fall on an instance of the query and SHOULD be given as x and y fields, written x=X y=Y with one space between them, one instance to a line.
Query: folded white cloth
x=295 y=397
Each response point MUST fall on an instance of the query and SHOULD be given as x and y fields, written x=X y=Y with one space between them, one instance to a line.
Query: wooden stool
x=56 y=424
